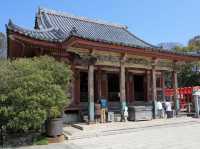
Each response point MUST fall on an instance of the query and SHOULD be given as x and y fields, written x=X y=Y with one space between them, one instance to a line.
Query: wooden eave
x=84 y=43
x=102 y=46
x=24 y=39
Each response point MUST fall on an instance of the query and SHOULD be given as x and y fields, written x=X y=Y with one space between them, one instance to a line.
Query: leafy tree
x=189 y=74
x=194 y=43
x=31 y=91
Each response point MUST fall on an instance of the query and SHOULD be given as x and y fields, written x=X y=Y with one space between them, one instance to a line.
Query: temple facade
x=107 y=60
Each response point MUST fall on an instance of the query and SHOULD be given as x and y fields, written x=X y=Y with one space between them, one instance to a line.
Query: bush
x=32 y=90
x=41 y=140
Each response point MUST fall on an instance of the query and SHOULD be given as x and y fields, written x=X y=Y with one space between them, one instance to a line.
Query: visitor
x=160 y=109
x=104 y=109
x=126 y=113
x=97 y=112
x=168 y=108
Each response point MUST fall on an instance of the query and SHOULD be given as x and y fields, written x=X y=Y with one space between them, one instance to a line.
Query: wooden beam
x=133 y=50
x=33 y=41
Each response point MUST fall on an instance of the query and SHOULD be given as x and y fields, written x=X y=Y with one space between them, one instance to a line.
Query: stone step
x=185 y=114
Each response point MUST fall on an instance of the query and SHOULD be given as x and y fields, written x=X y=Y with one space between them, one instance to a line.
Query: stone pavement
x=172 y=136
x=162 y=137
x=96 y=130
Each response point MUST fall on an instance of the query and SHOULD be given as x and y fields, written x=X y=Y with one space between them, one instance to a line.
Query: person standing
x=104 y=108
x=160 y=109
x=97 y=112
x=168 y=106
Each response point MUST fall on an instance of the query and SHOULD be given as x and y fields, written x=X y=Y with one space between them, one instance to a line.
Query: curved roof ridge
x=64 y=14
x=13 y=26
x=140 y=39
x=49 y=34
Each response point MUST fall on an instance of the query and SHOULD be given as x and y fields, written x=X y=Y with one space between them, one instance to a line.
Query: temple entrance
x=83 y=86
x=139 y=89
x=113 y=87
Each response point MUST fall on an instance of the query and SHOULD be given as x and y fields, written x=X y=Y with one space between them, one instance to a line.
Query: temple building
x=107 y=60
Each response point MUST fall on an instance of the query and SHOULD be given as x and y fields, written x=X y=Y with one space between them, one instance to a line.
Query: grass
x=41 y=140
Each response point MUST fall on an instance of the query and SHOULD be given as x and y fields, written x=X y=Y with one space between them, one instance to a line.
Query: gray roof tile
x=49 y=34
x=90 y=29
x=57 y=26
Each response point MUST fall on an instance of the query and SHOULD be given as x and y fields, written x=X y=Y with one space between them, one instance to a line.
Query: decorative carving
x=86 y=58
x=165 y=64
x=108 y=58
x=177 y=66
x=139 y=61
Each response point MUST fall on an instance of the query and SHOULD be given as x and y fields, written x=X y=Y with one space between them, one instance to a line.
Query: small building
x=107 y=60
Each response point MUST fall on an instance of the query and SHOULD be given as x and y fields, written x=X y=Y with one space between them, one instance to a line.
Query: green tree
x=31 y=91
x=189 y=72
x=189 y=75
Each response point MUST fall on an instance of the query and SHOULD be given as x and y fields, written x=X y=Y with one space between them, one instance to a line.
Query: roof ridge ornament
x=10 y=23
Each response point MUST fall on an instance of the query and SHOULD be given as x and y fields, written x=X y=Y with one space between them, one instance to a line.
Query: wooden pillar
x=77 y=86
x=163 y=85
x=128 y=88
x=99 y=83
x=154 y=91
x=175 y=86
x=122 y=83
x=104 y=85
x=175 y=81
x=148 y=85
x=91 y=92
x=73 y=84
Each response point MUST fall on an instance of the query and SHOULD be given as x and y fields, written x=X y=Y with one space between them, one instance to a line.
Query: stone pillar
x=91 y=92
x=154 y=91
x=163 y=85
x=122 y=84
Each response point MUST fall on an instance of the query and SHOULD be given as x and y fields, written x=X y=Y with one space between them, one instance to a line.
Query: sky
x=154 y=21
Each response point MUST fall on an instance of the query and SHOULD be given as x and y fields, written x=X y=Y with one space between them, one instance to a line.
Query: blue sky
x=152 y=20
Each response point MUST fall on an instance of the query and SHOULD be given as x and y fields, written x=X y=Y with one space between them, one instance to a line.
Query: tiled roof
x=57 y=26
x=50 y=34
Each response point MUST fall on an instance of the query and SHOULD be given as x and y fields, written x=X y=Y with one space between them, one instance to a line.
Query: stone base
x=56 y=139
x=71 y=118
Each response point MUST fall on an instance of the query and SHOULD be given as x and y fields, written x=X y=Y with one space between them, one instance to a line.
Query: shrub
x=32 y=90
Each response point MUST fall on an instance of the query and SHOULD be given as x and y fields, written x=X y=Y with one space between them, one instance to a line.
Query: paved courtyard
x=176 y=136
